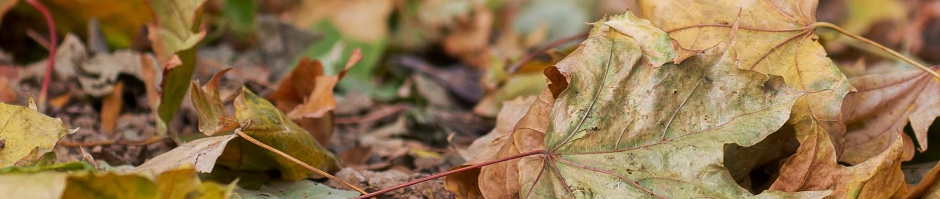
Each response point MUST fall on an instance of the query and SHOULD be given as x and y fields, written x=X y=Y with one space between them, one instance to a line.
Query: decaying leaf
x=212 y=117
x=265 y=123
x=617 y=110
x=627 y=128
x=311 y=103
x=202 y=152
x=24 y=129
x=777 y=38
x=882 y=106
x=815 y=168
x=465 y=184
x=511 y=113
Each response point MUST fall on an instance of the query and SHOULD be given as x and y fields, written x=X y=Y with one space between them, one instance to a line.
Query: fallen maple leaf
x=777 y=38
x=626 y=128
x=882 y=107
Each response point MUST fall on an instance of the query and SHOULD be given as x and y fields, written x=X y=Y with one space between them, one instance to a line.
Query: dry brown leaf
x=882 y=106
x=503 y=178
x=202 y=152
x=111 y=108
x=212 y=116
x=293 y=90
x=927 y=185
x=311 y=104
x=511 y=113
x=815 y=168
x=465 y=184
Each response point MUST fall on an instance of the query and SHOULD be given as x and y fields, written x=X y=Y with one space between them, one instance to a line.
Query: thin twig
x=435 y=176
x=35 y=36
x=44 y=89
x=295 y=160
x=528 y=57
x=877 y=45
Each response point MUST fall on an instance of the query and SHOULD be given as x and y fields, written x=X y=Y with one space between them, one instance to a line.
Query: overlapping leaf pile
x=647 y=108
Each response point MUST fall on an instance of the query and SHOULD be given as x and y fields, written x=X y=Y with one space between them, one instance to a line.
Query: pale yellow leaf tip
x=32 y=103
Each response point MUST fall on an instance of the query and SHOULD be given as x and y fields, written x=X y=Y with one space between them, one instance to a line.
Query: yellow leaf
x=23 y=129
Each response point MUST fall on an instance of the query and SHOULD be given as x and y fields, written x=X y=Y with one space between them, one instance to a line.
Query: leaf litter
x=651 y=108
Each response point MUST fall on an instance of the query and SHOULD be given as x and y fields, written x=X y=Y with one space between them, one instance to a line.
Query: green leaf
x=264 y=122
x=174 y=42
x=171 y=31
x=240 y=15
